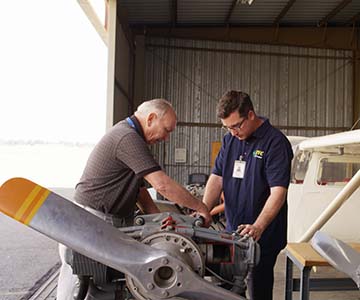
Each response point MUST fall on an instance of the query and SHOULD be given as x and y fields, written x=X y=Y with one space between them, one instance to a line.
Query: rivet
x=179 y=268
x=150 y=286
x=164 y=261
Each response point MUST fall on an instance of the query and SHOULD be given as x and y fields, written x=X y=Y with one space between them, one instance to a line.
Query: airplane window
x=336 y=172
x=299 y=166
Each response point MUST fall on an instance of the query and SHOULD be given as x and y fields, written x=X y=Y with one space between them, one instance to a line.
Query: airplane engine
x=224 y=259
x=162 y=256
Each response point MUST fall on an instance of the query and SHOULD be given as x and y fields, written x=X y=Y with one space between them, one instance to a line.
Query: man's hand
x=270 y=210
x=204 y=212
x=251 y=230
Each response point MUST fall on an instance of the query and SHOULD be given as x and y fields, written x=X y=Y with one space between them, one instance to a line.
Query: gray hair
x=158 y=106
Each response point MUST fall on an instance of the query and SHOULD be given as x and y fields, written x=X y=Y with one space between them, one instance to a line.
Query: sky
x=53 y=69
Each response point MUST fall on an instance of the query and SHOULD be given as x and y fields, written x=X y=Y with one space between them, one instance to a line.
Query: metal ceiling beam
x=231 y=10
x=284 y=12
x=353 y=19
x=94 y=19
x=111 y=29
x=333 y=38
x=122 y=18
x=174 y=12
x=334 y=12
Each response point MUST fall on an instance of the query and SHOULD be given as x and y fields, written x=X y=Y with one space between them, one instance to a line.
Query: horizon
x=53 y=94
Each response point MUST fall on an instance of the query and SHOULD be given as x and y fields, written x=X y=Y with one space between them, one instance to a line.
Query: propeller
x=340 y=255
x=156 y=272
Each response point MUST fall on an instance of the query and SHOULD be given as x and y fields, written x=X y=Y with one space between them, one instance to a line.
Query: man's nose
x=234 y=132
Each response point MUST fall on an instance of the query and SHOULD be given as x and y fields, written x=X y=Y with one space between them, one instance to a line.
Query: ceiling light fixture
x=244 y=2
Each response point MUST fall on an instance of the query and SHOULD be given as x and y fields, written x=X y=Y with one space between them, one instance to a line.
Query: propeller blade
x=73 y=226
x=340 y=255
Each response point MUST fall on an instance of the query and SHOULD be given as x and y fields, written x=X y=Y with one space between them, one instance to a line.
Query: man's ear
x=151 y=118
x=251 y=115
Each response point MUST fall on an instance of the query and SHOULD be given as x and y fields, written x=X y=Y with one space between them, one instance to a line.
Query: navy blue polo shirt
x=268 y=156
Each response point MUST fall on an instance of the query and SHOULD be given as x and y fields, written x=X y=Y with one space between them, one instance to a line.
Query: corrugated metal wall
x=304 y=91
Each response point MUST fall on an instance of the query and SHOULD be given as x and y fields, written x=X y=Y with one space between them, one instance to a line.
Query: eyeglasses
x=235 y=127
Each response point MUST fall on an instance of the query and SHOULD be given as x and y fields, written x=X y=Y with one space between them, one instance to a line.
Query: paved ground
x=26 y=257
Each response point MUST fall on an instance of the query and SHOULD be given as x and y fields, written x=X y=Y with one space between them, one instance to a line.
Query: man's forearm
x=270 y=210
x=173 y=191
x=272 y=207
x=146 y=203
x=178 y=194
x=212 y=191
x=181 y=196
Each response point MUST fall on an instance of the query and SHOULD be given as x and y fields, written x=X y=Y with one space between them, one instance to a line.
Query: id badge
x=239 y=169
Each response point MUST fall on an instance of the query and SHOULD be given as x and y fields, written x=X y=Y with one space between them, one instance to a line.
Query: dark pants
x=261 y=280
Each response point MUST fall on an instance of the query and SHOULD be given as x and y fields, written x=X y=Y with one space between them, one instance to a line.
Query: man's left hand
x=250 y=230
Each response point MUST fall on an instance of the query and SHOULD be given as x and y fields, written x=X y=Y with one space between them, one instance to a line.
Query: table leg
x=289 y=279
x=305 y=283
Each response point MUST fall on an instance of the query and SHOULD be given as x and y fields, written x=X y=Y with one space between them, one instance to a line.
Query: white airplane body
x=321 y=168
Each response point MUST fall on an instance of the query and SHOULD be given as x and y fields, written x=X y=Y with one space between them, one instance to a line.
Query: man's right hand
x=204 y=212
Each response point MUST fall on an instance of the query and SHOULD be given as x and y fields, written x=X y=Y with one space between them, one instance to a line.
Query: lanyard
x=242 y=155
x=131 y=123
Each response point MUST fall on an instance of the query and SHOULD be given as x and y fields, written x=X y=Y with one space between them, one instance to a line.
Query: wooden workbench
x=305 y=257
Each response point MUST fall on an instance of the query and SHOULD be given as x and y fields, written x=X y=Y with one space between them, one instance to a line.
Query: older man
x=112 y=182
x=113 y=177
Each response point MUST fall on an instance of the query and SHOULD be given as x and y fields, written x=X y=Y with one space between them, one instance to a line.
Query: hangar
x=297 y=59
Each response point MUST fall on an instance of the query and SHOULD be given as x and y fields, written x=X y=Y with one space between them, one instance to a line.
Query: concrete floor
x=279 y=286
x=26 y=257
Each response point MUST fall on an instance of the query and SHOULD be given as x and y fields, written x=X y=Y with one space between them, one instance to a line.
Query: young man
x=253 y=170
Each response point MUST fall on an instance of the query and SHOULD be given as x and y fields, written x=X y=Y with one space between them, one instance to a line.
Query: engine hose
x=223 y=279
